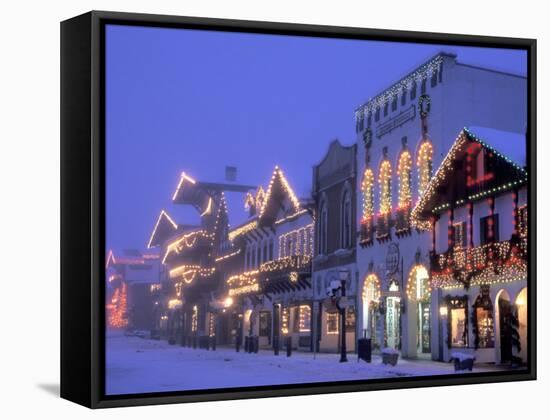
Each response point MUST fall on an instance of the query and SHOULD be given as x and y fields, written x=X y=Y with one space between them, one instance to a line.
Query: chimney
x=231 y=173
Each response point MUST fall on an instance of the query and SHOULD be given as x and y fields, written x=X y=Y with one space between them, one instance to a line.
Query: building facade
x=268 y=277
x=272 y=293
x=334 y=194
x=404 y=132
x=130 y=278
x=476 y=205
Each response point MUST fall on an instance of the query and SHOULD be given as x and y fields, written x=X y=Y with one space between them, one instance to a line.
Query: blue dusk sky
x=197 y=101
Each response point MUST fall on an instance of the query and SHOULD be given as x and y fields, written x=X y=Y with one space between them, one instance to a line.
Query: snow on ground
x=136 y=365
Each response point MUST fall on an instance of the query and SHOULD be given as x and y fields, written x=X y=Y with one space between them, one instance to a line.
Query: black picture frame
x=83 y=207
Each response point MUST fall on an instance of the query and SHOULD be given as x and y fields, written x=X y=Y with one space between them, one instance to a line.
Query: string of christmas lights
x=413 y=292
x=371 y=288
x=498 y=262
x=187 y=241
x=117 y=310
x=243 y=230
x=279 y=175
x=404 y=85
x=424 y=164
x=384 y=182
x=162 y=215
x=293 y=262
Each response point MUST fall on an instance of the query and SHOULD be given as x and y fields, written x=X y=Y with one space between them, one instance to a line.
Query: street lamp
x=335 y=286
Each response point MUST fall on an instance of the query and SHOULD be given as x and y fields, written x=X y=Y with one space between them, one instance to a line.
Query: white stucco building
x=477 y=206
x=403 y=134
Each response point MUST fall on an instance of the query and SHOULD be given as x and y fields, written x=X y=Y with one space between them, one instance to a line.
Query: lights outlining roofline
x=224 y=257
x=278 y=172
x=208 y=209
x=425 y=71
x=183 y=177
x=162 y=213
x=188 y=241
x=110 y=256
x=446 y=165
x=242 y=230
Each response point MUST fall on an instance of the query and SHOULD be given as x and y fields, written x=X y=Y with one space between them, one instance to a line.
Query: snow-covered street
x=136 y=365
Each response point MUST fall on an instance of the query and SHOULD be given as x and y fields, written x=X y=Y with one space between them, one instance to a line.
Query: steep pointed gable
x=279 y=197
x=110 y=259
x=164 y=228
x=452 y=184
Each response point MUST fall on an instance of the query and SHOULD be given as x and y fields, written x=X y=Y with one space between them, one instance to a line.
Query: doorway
x=505 y=321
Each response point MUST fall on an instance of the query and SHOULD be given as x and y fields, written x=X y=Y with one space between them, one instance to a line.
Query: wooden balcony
x=403 y=221
x=490 y=263
x=383 y=227
x=366 y=232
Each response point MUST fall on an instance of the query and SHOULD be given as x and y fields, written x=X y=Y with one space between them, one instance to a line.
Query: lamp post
x=343 y=274
x=336 y=285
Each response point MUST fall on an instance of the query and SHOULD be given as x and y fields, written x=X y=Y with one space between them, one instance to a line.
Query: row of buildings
x=424 y=217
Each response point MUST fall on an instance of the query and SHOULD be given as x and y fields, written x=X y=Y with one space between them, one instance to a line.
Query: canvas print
x=289 y=210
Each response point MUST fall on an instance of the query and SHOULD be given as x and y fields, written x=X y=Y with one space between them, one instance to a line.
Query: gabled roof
x=511 y=145
x=164 y=228
x=511 y=171
x=277 y=191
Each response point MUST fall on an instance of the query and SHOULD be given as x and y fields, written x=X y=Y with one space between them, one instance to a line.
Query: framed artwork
x=254 y=209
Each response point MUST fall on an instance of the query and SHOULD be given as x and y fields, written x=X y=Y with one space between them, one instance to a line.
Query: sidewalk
x=141 y=365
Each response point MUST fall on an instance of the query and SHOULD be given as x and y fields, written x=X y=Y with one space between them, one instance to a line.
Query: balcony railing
x=490 y=263
x=301 y=263
x=366 y=233
x=403 y=221
x=383 y=226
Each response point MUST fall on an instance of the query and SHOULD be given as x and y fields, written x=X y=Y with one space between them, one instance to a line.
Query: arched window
x=424 y=166
x=322 y=234
x=367 y=188
x=371 y=289
x=345 y=223
x=419 y=293
x=384 y=182
x=404 y=168
x=484 y=326
x=371 y=297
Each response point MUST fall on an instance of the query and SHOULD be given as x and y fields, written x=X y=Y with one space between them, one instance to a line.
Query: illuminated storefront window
x=485 y=328
x=332 y=323
x=483 y=320
x=304 y=318
x=458 y=327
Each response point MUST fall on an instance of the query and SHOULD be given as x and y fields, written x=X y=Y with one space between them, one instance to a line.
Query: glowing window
x=404 y=168
x=384 y=182
x=367 y=187
x=424 y=165
x=332 y=323
x=459 y=332
x=305 y=318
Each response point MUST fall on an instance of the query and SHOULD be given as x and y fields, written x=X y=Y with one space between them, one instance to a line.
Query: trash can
x=364 y=350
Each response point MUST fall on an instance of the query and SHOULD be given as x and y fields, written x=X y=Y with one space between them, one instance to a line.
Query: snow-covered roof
x=511 y=145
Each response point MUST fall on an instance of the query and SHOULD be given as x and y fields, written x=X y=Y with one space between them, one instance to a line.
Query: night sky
x=196 y=101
